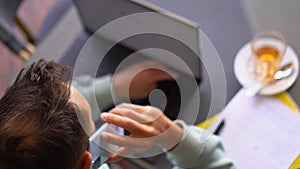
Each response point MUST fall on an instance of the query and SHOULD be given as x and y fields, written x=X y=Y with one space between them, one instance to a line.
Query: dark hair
x=39 y=128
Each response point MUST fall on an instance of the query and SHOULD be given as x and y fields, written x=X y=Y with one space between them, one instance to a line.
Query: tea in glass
x=268 y=49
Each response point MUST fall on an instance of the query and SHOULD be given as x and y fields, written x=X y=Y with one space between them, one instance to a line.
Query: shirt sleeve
x=198 y=149
x=97 y=91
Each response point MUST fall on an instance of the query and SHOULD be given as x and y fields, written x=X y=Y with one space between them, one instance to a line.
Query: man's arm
x=189 y=146
x=135 y=81
x=97 y=91
x=195 y=150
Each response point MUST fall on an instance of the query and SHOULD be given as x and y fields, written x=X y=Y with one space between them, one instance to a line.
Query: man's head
x=39 y=127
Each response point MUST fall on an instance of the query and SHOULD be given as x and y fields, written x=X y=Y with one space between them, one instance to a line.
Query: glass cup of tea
x=268 y=49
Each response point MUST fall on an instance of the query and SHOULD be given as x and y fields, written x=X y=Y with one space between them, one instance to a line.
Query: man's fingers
x=141 y=114
x=135 y=107
x=120 y=153
x=136 y=116
x=126 y=141
x=129 y=113
x=124 y=122
x=113 y=158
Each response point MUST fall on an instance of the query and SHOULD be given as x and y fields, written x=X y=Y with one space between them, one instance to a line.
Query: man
x=45 y=123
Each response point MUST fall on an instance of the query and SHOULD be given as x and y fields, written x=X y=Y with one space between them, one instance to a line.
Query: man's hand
x=148 y=73
x=147 y=125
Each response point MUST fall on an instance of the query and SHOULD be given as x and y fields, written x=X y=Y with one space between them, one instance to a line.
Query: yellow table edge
x=285 y=98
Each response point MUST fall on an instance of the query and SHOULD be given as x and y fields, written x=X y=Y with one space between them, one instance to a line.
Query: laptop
x=97 y=13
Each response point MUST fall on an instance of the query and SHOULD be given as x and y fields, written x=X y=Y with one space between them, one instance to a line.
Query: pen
x=220 y=128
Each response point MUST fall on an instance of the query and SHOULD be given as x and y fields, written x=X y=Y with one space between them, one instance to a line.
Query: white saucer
x=246 y=79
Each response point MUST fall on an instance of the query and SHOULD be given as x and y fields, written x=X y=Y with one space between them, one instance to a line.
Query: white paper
x=260 y=132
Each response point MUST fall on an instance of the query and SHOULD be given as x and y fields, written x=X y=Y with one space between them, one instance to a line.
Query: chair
x=24 y=48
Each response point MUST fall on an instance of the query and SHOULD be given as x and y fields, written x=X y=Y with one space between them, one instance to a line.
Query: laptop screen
x=97 y=13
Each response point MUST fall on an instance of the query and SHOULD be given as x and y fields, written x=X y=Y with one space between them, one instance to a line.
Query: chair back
x=8 y=13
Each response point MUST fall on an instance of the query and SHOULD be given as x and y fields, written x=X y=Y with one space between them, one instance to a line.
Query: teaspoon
x=282 y=73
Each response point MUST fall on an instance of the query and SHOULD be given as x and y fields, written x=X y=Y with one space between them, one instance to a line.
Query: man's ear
x=86 y=161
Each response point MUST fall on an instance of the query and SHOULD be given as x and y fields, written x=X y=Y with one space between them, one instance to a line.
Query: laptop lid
x=97 y=13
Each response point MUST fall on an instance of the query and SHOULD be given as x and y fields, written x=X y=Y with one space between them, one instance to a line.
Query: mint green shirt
x=194 y=151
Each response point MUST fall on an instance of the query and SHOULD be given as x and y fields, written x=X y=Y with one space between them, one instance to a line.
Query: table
x=224 y=23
